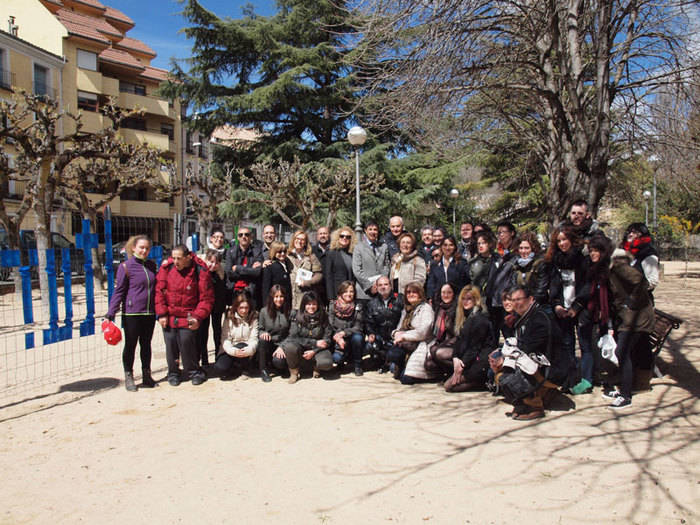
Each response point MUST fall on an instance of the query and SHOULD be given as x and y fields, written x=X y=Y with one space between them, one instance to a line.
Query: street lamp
x=654 y=159
x=357 y=137
x=454 y=193
x=647 y=195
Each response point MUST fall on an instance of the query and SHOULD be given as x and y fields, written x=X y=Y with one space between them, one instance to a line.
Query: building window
x=6 y=79
x=134 y=123
x=134 y=89
x=87 y=60
x=167 y=129
x=188 y=143
x=203 y=151
x=41 y=80
x=87 y=101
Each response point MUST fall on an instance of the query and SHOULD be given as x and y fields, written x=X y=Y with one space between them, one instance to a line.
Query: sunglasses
x=244 y=234
x=345 y=236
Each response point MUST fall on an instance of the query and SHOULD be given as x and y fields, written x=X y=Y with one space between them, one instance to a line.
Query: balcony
x=153 y=138
x=152 y=105
x=92 y=121
x=94 y=82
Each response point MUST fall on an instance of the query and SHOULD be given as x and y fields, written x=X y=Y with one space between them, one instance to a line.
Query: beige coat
x=310 y=263
x=231 y=335
x=407 y=269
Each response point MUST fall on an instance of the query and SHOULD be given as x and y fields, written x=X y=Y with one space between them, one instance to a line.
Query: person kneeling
x=346 y=317
x=240 y=338
x=309 y=338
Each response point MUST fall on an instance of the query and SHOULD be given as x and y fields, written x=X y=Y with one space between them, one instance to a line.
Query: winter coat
x=382 y=319
x=457 y=274
x=406 y=269
x=278 y=328
x=337 y=268
x=306 y=262
x=278 y=273
x=243 y=260
x=233 y=334
x=482 y=272
x=135 y=288
x=182 y=292
x=306 y=335
x=564 y=267
x=535 y=276
x=421 y=324
x=475 y=339
x=628 y=286
x=355 y=324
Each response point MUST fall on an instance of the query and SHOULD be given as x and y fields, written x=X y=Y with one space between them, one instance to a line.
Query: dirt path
x=355 y=449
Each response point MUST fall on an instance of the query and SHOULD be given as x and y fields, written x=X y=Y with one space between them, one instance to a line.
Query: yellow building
x=88 y=59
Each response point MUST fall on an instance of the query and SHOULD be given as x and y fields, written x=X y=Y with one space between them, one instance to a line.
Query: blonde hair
x=275 y=248
x=129 y=246
x=335 y=238
x=476 y=298
x=297 y=234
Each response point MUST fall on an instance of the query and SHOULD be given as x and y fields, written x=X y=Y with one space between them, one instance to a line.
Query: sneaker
x=620 y=402
x=610 y=394
x=582 y=387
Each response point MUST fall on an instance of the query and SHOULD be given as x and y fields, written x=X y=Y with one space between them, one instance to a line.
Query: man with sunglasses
x=243 y=264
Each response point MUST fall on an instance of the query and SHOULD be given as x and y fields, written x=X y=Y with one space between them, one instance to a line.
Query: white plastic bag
x=607 y=347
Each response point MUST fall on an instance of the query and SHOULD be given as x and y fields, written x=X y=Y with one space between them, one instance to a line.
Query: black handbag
x=517 y=385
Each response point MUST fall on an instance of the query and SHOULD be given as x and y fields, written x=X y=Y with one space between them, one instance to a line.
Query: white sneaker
x=620 y=402
x=610 y=394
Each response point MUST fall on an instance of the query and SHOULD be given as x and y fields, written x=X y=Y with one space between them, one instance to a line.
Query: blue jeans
x=585 y=342
x=355 y=344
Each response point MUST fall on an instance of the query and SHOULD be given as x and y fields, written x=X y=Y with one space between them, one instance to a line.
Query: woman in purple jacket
x=135 y=293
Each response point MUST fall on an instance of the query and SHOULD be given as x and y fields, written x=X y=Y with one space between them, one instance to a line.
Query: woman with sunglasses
x=338 y=262
x=278 y=272
x=414 y=328
x=306 y=269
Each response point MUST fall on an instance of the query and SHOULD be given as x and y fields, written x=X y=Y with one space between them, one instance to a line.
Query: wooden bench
x=663 y=325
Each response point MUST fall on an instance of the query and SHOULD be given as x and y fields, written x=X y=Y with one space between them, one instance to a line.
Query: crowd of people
x=491 y=310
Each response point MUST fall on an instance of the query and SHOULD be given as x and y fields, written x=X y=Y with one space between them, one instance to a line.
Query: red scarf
x=637 y=244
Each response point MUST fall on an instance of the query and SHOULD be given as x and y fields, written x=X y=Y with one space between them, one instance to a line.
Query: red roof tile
x=155 y=73
x=117 y=15
x=57 y=2
x=122 y=58
x=77 y=28
x=135 y=45
x=87 y=22
x=91 y=3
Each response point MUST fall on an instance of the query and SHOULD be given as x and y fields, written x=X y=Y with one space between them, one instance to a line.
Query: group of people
x=432 y=309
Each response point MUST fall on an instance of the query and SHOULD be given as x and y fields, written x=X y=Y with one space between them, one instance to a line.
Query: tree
x=565 y=77
x=303 y=195
x=206 y=191
x=284 y=75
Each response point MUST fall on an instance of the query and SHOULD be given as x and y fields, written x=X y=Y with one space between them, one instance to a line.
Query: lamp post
x=647 y=195
x=454 y=193
x=655 y=160
x=357 y=137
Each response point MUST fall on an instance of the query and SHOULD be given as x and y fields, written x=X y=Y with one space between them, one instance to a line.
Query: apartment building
x=79 y=52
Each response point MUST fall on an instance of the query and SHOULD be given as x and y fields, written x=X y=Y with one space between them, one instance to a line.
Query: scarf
x=567 y=261
x=342 y=309
x=410 y=312
x=444 y=320
x=637 y=244
x=598 y=303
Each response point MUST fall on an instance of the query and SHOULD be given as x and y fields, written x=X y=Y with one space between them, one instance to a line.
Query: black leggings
x=137 y=328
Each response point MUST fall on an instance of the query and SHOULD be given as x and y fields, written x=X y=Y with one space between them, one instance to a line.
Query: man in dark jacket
x=537 y=333
x=184 y=298
x=243 y=265
x=391 y=238
x=383 y=314
x=320 y=249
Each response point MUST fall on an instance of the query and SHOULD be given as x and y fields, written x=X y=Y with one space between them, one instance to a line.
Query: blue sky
x=157 y=22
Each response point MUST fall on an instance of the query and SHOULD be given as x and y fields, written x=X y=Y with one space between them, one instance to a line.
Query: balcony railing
x=7 y=79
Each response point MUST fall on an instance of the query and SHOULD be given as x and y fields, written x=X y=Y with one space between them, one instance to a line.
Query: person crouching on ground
x=346 y=317
x=240 y=338
x=309 y=338
x=383 y=314
x=184 y=298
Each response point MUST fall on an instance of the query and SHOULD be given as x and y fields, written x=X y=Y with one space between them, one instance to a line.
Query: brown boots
x=293 y=375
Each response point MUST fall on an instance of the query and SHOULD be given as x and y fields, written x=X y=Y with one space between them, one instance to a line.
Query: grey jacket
x=366 y=265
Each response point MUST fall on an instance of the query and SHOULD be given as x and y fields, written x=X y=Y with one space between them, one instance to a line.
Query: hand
x=571 y=313
x=560 y=311
x=239 y=352
x=373 y=290
x=267 y=263
x=163 y=321
x=193 y=324
x=233 y=269
x=279 y=353
x=257 y=264
x=458 y=365
x=322 y=343
x=309 y=354
x=265 y=336
x=371 y=338
x=398 y=337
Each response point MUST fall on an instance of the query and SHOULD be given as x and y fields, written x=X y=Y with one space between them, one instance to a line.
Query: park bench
x=663 y=325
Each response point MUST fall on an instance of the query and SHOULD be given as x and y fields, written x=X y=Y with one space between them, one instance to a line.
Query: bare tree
x=205 y=191
x=559 y=75
x=301 y=193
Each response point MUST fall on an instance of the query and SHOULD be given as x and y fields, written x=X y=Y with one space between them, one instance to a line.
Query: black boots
x=147 y=381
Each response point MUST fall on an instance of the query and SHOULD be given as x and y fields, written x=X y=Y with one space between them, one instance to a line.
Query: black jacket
x=277 y=273
x=243 y=260
x=457 y=274
x=335 y=271
x=535 y=275
x=355 y=324
x=475 y=340
x=577 y=262
x=383 y=319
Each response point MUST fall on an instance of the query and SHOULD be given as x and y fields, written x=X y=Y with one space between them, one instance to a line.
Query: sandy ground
x=355 y=449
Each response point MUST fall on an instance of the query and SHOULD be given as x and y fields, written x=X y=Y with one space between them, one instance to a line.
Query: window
x=128 y=87
x=87 y=60
x=41 y=80
x=87 y=101
x=188 y=143
x=5 y=75
x=134 y=123
x=167 y=129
